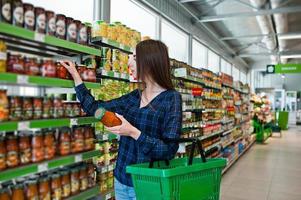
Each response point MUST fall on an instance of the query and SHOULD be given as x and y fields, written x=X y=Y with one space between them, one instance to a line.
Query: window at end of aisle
x=135 y=16
x=235 y=73
x=199 y=55
x=213 y=61
x=176 y=41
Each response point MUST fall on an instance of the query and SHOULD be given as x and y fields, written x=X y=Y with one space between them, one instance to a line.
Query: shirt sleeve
x=156 y=148
x=90 y=105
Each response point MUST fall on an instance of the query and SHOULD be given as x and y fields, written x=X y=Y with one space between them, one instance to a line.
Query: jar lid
x=17 y=186
x=75 y=169
x=47 y=131
x=25 y=133
x=64 y=172
x=55 y=175
x=44 y=178
x=99 y=113
x=11 y=136
x=31 y=182
x=65 y=129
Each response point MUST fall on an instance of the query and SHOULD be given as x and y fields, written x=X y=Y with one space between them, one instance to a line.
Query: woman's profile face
x=133 y=65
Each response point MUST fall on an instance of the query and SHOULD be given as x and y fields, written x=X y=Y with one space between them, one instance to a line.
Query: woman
x=148 y=116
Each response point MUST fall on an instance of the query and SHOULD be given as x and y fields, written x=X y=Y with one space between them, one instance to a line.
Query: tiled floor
x=267 y=172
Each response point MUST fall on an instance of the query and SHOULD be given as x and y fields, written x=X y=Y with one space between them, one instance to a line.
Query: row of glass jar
x=35 y=146
x=117 y=32
x=51 y=185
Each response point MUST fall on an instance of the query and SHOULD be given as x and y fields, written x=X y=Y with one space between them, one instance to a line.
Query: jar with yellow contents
x=112 y=35
x=3 y=56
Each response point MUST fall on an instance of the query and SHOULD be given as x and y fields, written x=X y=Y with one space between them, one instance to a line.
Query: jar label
x=29 y=18
x=6 y=11
x=57 y=194
x=3 y=56
x=60 y=27
x=25 y=156
x=74 y=185
x=83 y=34
x=18 y=15
x=66 y=190
x=41 y=21
x=83 y=184
x=45 y=196
x=51 y=24
x=34 y=69
x=72 y=30
x=17 y=67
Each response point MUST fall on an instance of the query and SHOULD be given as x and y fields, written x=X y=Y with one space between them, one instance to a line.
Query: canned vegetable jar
x=29 y=16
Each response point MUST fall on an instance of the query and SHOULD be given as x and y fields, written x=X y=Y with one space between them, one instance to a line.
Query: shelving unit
x=26 y=170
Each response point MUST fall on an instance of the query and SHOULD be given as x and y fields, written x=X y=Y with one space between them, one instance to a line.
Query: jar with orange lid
x=56 y=187
x=17 y=192
x=44 y=188
x=49 y=144
x=25 y=147
x=75 y=184
x=12 y=148
x=37 y=145
x=31 y=189
x=66 y=183
x=64 y=141
x=2 y=153
x=83 y=177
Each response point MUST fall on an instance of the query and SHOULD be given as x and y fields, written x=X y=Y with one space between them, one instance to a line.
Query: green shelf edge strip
x=46 y=123
x=49 y=40
x=52 y=164
x=92 y=192
x=43 y=81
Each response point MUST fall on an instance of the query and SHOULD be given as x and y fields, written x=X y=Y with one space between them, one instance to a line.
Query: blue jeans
x=124 y=192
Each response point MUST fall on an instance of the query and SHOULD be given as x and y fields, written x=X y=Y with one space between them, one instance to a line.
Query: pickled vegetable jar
x=44 y=188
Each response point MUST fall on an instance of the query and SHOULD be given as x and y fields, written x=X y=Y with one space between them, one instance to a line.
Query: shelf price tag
x=105 y=137
x=42 y=167
x=104 y=170
x=78 y=158
x=73 y=122
x=108 y=196
x=39 y=37
x=110 y=168
x=23 y=126
x=21 y=79
x=105 y=40
x=104 y=73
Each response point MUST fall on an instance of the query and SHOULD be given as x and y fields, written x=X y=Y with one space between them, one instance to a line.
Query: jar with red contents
x=50 y=23
x=58 y=108
x=61 y=71
x=89 y=138
x=60 y=26
x=29 y=18
x=25 y=147
x=37 y=144
x=40 y=20
x=31 y=66
x=15 y=64
x=82 y=34
x=48 y=68
x=12 y=148
x=49 y=143
x=2 y=153
x=77 y=142
x=15 y=110
x=37 y=108
x=56 y=187
x=47 y=108
x=64 y=142
x=27 y=109
x=4 y=194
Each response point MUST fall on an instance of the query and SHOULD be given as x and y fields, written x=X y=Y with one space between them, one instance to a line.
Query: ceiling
x=259 y=31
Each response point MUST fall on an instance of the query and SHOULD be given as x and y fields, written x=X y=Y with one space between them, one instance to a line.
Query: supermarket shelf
x=237 y=103
x=212 y=146
x=227 y=144
x=105 y=136
x=92 y=192
x=47 y=165
x=228 y=131
x=228 y=97
x=212 y=98
x=11 y=78
x=233 y=161
x=191 y=79
x=107 y=195
x=45 y=123
x=108 y=168
x=212 y=87
x=226 y=85
x=50 y=41
x=213 y=110
x=228 y=121
x=212 y=122
x=193 y=110
x=111 y=43
x=239 y=138
x=210 y=135
x=114 y=75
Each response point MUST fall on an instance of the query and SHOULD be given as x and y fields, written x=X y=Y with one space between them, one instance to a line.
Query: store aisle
x=267 y=172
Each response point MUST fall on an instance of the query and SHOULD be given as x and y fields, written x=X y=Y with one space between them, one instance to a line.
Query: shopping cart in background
x=179 y=179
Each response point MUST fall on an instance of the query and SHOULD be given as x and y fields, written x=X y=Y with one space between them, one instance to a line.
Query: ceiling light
x=291 y=56
x=289 y=36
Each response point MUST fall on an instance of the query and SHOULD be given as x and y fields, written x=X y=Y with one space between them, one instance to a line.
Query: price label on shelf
x=21 y=79
x=105 y=137
x=182 y=148
x=42 y=167
x=105 y=40
x=104 y=170
x=121 y=46
x=116 y=75
x=39 y=37
x=78 y=158
x=108 y=196
x=73 y=122
x=3 y=56
x=23 y=126
x=110 y=168
x=123 y=76
x=104 y=73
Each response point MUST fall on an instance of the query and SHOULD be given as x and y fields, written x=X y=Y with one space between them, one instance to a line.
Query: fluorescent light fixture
x=289 y=36
x=291 y=56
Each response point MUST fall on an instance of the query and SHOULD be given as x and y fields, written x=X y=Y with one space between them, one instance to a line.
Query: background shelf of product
x=28 y=57
x=216 y=110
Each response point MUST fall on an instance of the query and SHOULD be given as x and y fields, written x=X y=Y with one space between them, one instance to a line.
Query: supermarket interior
x=236 y=64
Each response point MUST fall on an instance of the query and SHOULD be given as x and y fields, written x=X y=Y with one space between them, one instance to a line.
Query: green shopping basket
x=179 y=179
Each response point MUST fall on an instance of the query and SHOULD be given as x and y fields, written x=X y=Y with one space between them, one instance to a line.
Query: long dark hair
x=153 y=62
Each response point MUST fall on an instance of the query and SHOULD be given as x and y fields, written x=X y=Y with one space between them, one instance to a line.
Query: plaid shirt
x=161 y=119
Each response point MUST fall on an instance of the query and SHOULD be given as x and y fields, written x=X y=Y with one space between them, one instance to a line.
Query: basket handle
x=195 y=143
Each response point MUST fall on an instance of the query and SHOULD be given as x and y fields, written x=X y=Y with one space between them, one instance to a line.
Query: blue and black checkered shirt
x=160 y=119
